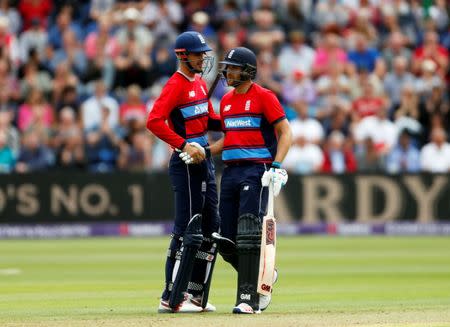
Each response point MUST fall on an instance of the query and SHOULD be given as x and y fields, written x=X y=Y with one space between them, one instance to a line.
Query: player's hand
x=192 y=153
x=277 y=176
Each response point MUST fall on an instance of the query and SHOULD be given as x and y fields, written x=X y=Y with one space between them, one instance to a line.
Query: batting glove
x=275 y=175
x=188 y=159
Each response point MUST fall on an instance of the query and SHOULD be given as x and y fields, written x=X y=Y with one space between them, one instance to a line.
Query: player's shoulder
x=228 y=95
x=262 y=93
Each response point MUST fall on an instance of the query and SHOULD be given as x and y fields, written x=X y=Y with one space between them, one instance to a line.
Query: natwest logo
x=238 y=123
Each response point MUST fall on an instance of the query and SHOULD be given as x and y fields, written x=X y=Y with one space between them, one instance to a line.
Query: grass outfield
x=324 y=281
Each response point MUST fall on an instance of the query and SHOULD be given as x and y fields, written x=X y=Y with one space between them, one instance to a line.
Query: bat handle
x=270 y=200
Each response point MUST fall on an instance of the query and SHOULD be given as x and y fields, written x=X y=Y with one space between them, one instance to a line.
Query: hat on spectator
x=429 y=65
x=200 y=18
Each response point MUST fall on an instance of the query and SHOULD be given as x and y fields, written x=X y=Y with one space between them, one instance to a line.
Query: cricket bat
x=268 y=247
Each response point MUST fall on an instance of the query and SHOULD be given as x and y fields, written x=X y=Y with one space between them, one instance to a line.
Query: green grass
x=324 y=281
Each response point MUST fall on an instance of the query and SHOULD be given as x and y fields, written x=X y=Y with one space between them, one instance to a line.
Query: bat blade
x=267 y=256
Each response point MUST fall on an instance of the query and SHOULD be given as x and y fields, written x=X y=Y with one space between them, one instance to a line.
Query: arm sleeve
x=214 y=122
x=156 y=121
x=272 y=109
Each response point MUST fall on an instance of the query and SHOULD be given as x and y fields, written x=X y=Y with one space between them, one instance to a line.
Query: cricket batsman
x=257 y=138
x=182 y=116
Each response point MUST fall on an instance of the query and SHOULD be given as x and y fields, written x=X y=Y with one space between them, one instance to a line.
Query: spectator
x=35 y=38
x=8 y=11
x=428 y=79
x=63 y=79
x=7 y=158
x=101 y=49
x=92 y=112
x=64 y=24
x=8 y=43
x=34 y=155
x=298 y=87
x=35 y=9
x=296 y=55
x=12 y=134
x=35 y=114
x=102 y=145
x=138 y=155
x=404 y=157
x=305 y=126
x=396 y=47
x=72 y=53
x=331 y=15
x=268 y=75
x=368 y=104
x=396 y=80
x=431 y=49
x=133 y=30
x=338 y=157
x=409 y=104
x=368 y=158
x=363 y=56
x=68 y=141
x=133 y=111
x=200 y=24
x=9 y=86
x=163 y=17
x=435 y=156
x=232 y=34
x=303 y=157
x=265 y=34
x=35 y=79
x=100 y=8
x=328 y=53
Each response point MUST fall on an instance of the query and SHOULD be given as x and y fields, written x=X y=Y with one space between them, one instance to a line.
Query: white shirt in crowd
x=309 y=128
x=435 y=159
x=92 y=112
x=381 y=131
x=304 y=160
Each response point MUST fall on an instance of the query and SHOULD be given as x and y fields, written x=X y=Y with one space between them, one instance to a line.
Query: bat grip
x=270 y=200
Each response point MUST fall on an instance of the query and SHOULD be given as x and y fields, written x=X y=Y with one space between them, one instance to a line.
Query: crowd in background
x=364 y=83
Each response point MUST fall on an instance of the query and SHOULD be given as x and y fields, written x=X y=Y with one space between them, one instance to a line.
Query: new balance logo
x=191 y=94
x=245 y=297
x=227 y=107
x=247 y=105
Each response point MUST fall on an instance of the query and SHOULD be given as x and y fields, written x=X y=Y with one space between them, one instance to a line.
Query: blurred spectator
x=305 y=126
x=296 y=55
x=434 y=111
x=294 y=14
x=12 y=134
x=303 y=157
x=368 y=104
x=337 y=121
x=100 y=7
x=331 y=15
x=381 y=132
x=69 y=98
x=396 y=80
x=8 y=11
x=32 y=9
x=138 y=155
x=7 y=158
x=431 y=49
x=162 y=17
x=265 y=34
x=268 y=75
x=101 y=49
x=102 y=145
x=328 y=53
x=397 y=16
x=435 y=156
x=35 y=38
x=35 y=113
x=8 y=43
x=34 y=154
x=164 y=63
x=363 y=56
x=9 y=86
x=368 y=158
x=338 y=157
x=298 y=87
x=335 y=79
x=72 y=53
x=200 y=23
x=232 y=34
x=58 y=31
x=396 y=47
x=68 y=141
x=408 y=105
x=404 y=157
x=63 y=79
x=35 y=79
x=133 y=30
x=133 y=112
x=428 y=79
x=92 y=109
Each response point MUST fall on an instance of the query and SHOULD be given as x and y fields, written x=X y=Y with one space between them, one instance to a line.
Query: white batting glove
x=277 y=176
x=186 y=157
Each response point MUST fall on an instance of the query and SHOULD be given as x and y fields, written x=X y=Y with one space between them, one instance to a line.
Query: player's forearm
x=161 y=130
x=284 y=142
x=217 y=147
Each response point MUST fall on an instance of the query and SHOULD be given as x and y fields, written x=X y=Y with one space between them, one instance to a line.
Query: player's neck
x=243 y=87
x=186 y=72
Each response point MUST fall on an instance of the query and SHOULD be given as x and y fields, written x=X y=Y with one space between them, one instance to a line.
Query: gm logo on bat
x=266 y=287
x=270 y=232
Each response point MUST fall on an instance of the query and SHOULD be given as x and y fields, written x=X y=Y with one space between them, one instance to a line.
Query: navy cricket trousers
x=241 y=193
x=195 y=192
